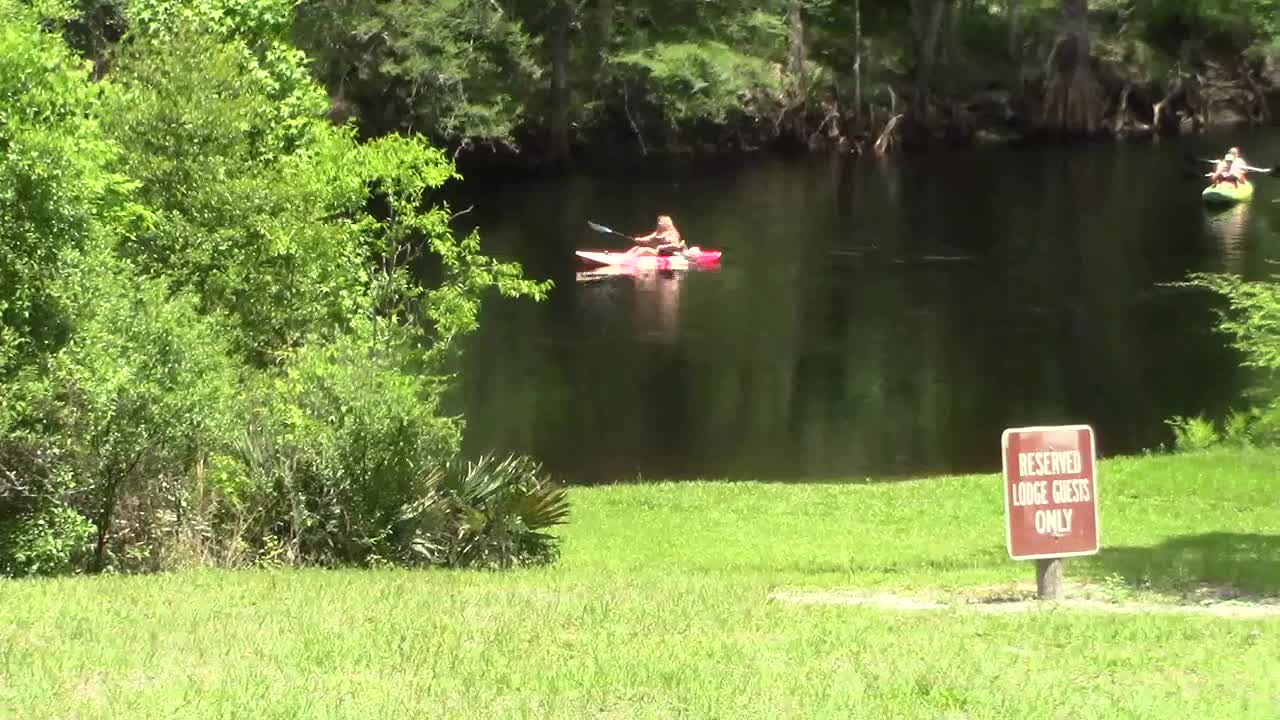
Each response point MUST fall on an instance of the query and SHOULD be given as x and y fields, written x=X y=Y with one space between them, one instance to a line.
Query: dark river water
x=872 y=318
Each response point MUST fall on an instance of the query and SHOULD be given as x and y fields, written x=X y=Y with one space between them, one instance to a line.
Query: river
x=870 y=318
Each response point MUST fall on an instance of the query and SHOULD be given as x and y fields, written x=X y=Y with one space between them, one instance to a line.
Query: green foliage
x=239 y=193
x=401 y=171
x=39 y=534
x=478 y=72
x=142 y=390
x=216 y=344
x=252 y=21
x=56 y=189
x=52 y=540
x=457 y=70
x=1256 y=427
x=489 y=513
x=1251 y=319
x=1191 y=434
x=338 y=442
x=691 y=82
x=1241 y=21
x=343 y=463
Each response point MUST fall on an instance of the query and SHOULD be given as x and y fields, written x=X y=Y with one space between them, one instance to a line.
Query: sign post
x=1050 y=498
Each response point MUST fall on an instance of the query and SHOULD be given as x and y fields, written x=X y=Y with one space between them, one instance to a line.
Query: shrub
x=337 y=442
x=214 y=342
x=39 y=533
x=1251 y=319
x=489 y=513
x=698 y=82
x=1190 y=434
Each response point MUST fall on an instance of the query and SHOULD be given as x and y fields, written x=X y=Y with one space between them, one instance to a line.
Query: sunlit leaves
x=212 y=334
x=699 y=81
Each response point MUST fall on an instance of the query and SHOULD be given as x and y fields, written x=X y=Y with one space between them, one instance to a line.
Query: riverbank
x=1137 y=94
x=679 y=599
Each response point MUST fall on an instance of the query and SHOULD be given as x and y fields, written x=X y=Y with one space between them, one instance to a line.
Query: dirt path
x=1022 y=601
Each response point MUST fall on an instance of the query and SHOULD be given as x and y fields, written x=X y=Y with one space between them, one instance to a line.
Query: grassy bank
x=661 y=607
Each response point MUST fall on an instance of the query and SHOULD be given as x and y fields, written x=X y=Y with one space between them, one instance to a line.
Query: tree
x=926 y=21
x=458 y=71
x=1073 y=101
x=216 y=342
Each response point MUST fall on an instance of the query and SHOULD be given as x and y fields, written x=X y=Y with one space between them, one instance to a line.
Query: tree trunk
x=926 y=17
x=795 y=63
x=889 y=137
x=1073 y=97
x=949 y=45
x=857 y=65
x=560 y=82
x=795 y=39
x=603 y=36
x=106 y=513
x=1122 y=111
x=1011 y=15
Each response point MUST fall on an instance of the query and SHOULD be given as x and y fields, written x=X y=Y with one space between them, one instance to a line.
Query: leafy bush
x=55 y=539
x=460 y=70
x=57 y=193
x=694 y=82
x=1257 y=427
x=488 y=513
x=338 y=442
x=1251 y=319
x=39 y=533
x=214 y=348
x=145 y=387
x=1192 y=434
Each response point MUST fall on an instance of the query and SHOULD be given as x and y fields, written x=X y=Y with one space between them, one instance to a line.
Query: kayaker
x=1225 y=170
x=1238 y=167
x=1220 y=170
x=664 y=240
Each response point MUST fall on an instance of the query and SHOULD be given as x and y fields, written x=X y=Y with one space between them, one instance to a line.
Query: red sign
x=1050 y=491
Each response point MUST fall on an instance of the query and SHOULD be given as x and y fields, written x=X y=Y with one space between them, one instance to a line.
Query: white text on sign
x=1029 y=493
x=1049 y=462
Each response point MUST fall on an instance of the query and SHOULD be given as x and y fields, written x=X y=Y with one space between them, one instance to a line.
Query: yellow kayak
x=1226 y=193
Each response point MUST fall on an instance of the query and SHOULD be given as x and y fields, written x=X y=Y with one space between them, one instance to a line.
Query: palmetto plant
x=488 y=513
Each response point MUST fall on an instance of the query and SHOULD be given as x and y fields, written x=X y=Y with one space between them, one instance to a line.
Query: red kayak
x=690 y=257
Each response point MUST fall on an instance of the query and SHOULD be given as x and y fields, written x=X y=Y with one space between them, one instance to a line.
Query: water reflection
x=1229 y=226
x=655 y=303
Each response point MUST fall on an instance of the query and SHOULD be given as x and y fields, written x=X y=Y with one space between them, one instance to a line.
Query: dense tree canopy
x=548 y=75
x=214 y=348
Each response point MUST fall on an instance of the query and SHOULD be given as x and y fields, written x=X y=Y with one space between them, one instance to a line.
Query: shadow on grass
x=1248 y=563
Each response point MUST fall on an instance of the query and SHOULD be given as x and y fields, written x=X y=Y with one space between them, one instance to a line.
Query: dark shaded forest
x=556 y=79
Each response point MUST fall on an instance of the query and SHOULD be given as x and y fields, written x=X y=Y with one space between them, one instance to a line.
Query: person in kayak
x=1238 y=167
x=1231 y=168
x=1220 y=171
x=665 y=240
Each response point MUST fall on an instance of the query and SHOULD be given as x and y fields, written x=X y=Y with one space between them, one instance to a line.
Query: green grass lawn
x=661 y=608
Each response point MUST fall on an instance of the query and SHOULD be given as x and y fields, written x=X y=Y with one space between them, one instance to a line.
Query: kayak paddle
x=1275 y=171
x=610 y=231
